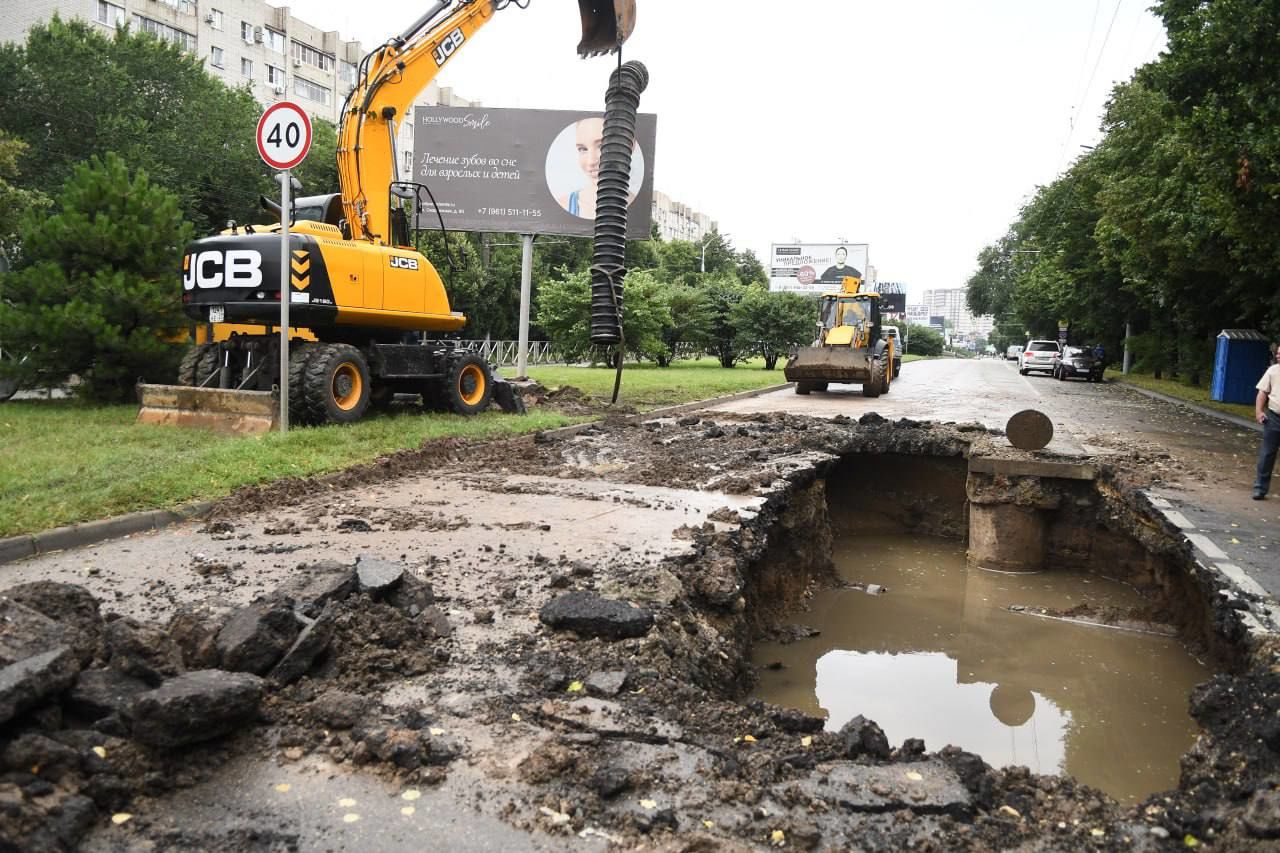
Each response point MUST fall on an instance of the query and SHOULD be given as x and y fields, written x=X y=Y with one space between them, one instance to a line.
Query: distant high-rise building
x=951 y=304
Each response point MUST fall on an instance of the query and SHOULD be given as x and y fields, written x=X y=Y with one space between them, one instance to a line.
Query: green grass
x=63 y=462
x=647 y=386
x=1191 y=394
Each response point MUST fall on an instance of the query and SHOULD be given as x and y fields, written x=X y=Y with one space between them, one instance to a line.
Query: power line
x=1102 y=49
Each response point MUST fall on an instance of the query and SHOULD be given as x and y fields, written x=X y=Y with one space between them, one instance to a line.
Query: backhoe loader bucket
x=828 y=364
x=225 y=411
x=606 y=24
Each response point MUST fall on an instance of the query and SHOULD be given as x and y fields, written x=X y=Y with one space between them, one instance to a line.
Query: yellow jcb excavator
x=363 y=300
x=849 y=346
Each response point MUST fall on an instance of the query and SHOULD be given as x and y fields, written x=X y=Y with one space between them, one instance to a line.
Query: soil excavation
x=547 y=643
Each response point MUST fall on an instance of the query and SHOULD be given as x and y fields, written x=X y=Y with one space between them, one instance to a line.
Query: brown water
x=939 y=656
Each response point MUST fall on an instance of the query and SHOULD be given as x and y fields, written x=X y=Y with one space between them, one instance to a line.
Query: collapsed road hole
x=1080 y=664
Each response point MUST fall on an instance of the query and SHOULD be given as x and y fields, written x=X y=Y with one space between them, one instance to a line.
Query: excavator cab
x=606 y=24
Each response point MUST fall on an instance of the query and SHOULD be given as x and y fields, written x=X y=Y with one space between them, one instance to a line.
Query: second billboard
x=523 y=171
x=815 y=267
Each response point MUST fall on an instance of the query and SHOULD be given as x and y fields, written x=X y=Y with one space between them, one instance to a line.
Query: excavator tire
x=469 y=385
x=337 y=384
x=299 y=357
x=873 y=386
x=888 y=380
x=803 y=387
x=190 y=363
x=208 y=364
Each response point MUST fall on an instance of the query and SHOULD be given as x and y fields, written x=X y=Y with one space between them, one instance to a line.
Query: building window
x=347 y=73
x=311 y=56
x=111 y=14
x=215 y=19
x=273 y=40
x=275 y=75
x=164 y=32
x=246 y=68
x=216 y=57
x=408 y=164
x=246 y=32
x=186 y=7
x=313 y=91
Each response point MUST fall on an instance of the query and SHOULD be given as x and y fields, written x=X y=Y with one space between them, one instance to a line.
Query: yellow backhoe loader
x=849 y=346
x=365 y=303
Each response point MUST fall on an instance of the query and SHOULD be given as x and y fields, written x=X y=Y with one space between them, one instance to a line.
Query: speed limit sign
x=284 y=135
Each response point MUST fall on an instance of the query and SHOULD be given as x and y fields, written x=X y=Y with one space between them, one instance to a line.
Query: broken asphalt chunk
x=591 y=615
x=195 y=706
x=377 y=576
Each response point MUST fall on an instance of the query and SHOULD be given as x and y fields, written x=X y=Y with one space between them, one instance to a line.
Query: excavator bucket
x=606 y=24
x=225 y=411
x=828 y=364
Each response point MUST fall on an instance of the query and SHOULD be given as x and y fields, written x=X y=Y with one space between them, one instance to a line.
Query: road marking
x=1206 y=546
x=1242 y=580
x=1180 y=520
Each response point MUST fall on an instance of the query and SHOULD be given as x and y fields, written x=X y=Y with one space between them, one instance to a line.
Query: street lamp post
x=703 y=265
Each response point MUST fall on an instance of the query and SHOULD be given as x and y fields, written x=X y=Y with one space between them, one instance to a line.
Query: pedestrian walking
x=1267 y=411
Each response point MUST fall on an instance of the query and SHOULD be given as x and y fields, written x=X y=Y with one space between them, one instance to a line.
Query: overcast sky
x=917 y=126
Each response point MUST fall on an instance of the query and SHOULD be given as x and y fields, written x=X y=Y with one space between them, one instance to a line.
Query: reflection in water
x=941 y=657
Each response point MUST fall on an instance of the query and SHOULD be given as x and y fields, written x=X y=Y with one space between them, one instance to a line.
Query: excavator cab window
x=827 y=313
x=854 y=313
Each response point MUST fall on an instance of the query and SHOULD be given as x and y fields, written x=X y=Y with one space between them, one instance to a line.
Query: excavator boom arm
x=395 y=74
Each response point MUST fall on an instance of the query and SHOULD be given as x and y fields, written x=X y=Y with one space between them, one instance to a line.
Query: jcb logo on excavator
x=399 y=263
x=215 y=268
x=451 y=42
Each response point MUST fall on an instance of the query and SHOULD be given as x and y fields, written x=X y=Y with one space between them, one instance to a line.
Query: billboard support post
x=526 y=288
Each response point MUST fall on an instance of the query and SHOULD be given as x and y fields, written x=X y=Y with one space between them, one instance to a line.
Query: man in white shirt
x=1267 y=411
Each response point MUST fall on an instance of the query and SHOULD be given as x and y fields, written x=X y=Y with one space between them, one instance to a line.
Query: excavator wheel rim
x=349 y=375
x=471 y=376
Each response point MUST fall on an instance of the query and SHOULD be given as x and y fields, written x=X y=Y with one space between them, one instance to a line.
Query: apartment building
x=242 y=42
x=951 y=304
x=677 y=221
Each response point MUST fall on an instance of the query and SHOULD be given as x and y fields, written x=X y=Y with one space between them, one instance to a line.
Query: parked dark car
x=1078 y=363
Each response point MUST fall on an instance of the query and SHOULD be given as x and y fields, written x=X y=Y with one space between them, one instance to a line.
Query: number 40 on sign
x=284 y=135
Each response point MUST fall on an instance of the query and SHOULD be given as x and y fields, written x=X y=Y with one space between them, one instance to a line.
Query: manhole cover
x=1029 y=430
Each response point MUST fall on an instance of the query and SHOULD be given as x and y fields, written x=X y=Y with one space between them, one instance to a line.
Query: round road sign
x=284 y=135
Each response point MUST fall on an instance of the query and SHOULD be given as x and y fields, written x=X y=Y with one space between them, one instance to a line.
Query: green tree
x=15 y=201
x=921 y=340
x=564 y=313
x=723 y=292
x=689 y=320
x=750 y=270
x=94 y=294
x=71 y=92
x=772 y=323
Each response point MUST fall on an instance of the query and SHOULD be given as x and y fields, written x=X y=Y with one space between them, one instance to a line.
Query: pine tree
x=97 y=291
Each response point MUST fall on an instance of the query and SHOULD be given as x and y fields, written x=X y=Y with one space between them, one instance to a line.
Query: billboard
x=522 y=171
x=814 y=267
x=918 y=314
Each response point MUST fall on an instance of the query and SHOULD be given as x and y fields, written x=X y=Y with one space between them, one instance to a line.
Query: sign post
x=284 y=137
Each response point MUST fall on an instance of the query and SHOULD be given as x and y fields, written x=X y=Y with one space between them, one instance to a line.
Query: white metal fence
x=504 y=352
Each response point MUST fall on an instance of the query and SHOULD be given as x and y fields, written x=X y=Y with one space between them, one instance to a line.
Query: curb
x=1204 y=410
x=92 y=532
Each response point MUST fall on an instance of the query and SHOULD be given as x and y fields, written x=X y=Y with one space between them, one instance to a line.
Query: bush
x=98 y=292
x=921 y=340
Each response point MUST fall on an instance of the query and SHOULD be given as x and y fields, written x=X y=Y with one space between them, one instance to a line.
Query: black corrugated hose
x=609 y=259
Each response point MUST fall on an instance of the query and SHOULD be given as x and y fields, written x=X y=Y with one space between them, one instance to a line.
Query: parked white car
x=1039 y=355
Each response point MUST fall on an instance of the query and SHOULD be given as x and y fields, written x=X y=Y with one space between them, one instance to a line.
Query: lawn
x=63 y=462
x=1174 y=388
x=647 y=386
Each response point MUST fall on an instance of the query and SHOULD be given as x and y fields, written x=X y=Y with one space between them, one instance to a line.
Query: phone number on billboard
x=509 y=211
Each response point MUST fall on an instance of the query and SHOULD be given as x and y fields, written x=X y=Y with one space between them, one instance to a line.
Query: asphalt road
x=1206 y=465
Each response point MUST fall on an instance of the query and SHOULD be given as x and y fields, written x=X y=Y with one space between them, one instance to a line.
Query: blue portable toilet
x=1241 y=358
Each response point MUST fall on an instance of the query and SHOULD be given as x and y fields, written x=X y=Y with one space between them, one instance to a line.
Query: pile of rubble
x=96 y=709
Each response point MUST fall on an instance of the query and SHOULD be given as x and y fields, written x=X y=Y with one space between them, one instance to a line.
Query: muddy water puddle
x=940 y=656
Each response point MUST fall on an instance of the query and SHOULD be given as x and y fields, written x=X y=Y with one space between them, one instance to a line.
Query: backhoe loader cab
x=849 y=346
